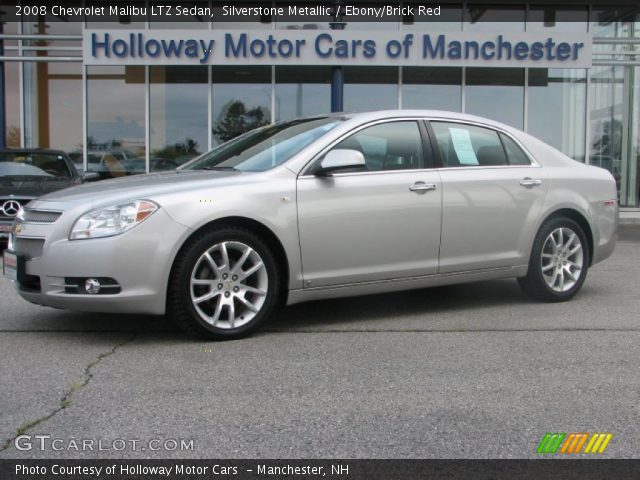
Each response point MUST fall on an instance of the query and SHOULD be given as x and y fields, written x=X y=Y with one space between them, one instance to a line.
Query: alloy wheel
x=229 y=284
x=562 y=259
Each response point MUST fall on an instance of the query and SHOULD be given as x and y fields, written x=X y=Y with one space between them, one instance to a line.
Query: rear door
x=492 y=195
x=381 y=222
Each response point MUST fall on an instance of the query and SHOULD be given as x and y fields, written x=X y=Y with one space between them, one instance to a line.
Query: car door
x=492 y=195
x=380 y=222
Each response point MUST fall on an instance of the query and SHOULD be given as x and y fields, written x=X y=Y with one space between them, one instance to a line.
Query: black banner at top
x=315 y=14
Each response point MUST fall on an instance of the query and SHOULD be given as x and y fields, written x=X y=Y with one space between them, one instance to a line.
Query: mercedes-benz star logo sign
x=11 y=208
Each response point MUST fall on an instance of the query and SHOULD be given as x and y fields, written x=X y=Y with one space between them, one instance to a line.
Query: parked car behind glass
x=26 y=174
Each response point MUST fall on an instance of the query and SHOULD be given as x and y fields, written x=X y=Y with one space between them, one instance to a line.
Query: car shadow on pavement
x=452 y=299
x=368 y=312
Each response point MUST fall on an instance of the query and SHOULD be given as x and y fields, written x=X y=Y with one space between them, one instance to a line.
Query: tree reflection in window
x=236 y=119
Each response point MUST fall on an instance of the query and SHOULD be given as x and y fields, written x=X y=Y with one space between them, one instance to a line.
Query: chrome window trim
x=324 y=151
x=375 y=172
x=355 y=130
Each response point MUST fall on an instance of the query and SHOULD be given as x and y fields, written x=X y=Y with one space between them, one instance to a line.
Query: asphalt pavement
x=468 y=371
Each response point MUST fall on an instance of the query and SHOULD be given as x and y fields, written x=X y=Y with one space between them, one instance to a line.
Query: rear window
x=514 y=153
x=464 y=145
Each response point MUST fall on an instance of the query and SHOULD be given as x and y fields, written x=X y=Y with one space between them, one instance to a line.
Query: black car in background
x=29 y=173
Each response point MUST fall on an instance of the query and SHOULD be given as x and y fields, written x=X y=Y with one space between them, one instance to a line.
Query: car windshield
x=45 y=166
x=266 y=147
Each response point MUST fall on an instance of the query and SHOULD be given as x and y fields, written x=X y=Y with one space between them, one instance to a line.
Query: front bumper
x=139 y=260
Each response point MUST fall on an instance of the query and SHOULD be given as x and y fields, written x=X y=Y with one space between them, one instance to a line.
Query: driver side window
x=388 y=146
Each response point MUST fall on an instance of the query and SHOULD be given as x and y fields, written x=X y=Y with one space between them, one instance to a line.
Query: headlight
x=114 y=220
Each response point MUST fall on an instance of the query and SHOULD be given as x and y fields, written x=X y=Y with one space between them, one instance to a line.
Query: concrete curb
x=629 y=218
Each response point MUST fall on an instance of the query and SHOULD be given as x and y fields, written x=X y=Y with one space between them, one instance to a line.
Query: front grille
x=40 y=216
x=30 y=247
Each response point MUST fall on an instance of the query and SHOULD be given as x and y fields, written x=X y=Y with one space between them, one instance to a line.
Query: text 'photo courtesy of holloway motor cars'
x=319 y=207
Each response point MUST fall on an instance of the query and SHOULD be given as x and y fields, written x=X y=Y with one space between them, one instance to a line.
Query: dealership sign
x=335 y=47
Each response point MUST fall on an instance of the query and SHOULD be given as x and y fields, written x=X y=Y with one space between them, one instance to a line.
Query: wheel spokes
x=257 y=291
x=214 y=267
x=216 y=314
x=225 y=256
x=229 y=284
x=248 y=304
x=245 y=274
x=205 y=297
x=242 y=260
x=561 y=259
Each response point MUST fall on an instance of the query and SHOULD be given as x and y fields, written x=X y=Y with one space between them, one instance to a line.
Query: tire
x=555 y=274
x=217 y=299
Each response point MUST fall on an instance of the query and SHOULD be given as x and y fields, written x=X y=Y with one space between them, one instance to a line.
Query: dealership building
x=132 y=93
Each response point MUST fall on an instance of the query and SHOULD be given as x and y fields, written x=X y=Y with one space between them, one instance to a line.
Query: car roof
x=439 y=114
x=369 y=116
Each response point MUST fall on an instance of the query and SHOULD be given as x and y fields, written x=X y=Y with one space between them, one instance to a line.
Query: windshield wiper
x=217 y=167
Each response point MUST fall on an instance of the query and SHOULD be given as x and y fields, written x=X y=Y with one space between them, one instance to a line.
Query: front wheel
x=224 y=284
x=559 y=261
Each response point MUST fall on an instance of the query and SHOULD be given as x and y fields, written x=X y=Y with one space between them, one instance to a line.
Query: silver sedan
x=319 y=207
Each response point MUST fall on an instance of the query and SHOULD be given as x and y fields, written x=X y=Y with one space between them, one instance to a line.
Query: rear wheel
x=224 y=285
x=559 y=261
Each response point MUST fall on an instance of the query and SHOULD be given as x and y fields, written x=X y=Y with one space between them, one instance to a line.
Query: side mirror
x=90 y=176
x=340 y=159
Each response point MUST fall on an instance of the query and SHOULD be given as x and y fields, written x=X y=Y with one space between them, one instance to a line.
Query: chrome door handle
x=530 y=182
x=422 y=187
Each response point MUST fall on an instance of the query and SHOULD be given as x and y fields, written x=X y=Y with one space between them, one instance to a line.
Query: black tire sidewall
x=535 y=267
x=193 y=252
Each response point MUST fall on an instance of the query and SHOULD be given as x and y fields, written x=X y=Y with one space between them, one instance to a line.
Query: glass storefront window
x=615 y=21
x=437 y=88
x=302 y=91
x=11 y=94
x=556 y=110
x=494 y=18
x=551 y=18
x=178 y=113
x=53 y=105
x=12 y=104
x=241 y=101
x=116 y=120
x=370 y=88
x=496 y=93
x=614 y=123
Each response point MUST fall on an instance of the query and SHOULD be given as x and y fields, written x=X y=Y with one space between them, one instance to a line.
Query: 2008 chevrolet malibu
x=319 y=207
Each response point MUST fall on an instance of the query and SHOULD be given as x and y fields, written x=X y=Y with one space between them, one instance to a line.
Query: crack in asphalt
x=65 y=401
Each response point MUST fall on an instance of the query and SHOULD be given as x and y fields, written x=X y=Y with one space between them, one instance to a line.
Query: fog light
x=92 y=286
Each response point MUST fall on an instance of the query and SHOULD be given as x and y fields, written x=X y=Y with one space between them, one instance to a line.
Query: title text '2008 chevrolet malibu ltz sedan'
x=319 y=207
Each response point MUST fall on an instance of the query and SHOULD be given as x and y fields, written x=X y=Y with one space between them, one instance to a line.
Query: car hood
x=31 y=187
x=145 y=186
